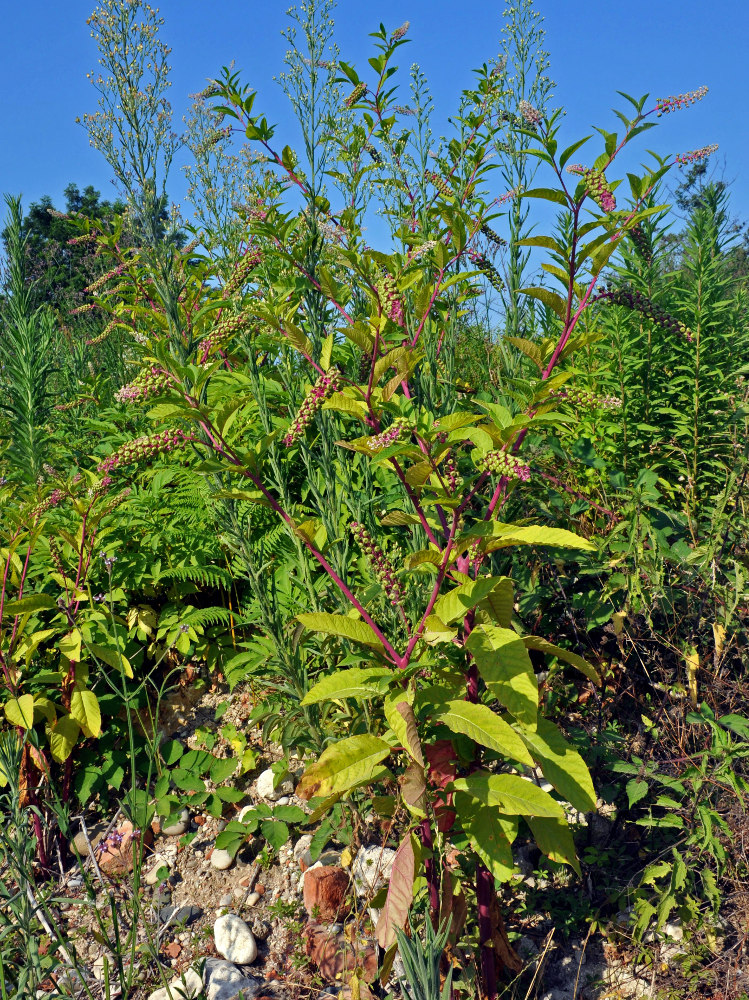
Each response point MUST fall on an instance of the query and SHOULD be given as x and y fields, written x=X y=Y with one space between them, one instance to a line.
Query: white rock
x=220 y=859
x=234 y=940
x=284 y=800
x=302 y=845
x=184 y=987
x=157 y=862
x=180 y=827
x=253 y=899
x=265 y=789
x=224 y=981
x=372 y=869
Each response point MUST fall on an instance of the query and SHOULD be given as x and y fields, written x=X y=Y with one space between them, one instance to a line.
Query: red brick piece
x=325 y=893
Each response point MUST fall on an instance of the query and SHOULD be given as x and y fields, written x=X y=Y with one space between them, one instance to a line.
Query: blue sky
x=596 y=48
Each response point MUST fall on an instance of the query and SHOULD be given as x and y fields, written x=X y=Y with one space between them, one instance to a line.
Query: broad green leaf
x=20 y=711
x=543 y=646
x=70 y=645
x=358 y=682
x=554 y=837
x=529 y=348
x=112 y=658
x=171 y=751
x=33 y=602
x=400 y=893
x=275 y=832
x=458 y=602
x=345 y=404
x=636 y=789
x=399 y=518
x=548 y=194
x=509 y=793
x=555 y=302
x=547 y=242
x=435 y=631
x=348 y=628
x=498 y=605
x=485 y=727
x=562 y=765
x=430 y=556
x=490 y=834
x=498 y=536
x=349 y=762
x=62 y=737
x=84 y=708
x=507 y=670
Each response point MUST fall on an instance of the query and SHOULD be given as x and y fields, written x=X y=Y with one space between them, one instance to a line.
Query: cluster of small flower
x=100 y=337
x=450 y=474
x=666 y=104
x=116 y=272
x=421 y=249
x=150 y=382
x=635 y=300
x=86 y=307
x=240 y=274
x=596 y=185
x=143 y=447
x=488 y=269
x=502 y=463
x=530 y=115
x=439 y=182
x=586 y=400
x=119 y=499
x=222 y=331
x=683 y=159
x=390 y=302
x=51 y=501
x=394 y=433
x=400 y=32
x=356 y=95
x=383 y=571
x=326 y=384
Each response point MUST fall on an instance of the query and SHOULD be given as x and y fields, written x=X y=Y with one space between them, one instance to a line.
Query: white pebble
x=180 y=827
x=221 y=859
x=234 y=940
x=184 y=987
x=252 y=899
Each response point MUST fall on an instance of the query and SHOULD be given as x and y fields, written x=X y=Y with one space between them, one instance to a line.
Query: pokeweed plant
x=401 y=578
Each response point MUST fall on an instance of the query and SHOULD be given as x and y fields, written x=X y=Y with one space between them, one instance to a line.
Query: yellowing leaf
x=357 y=682
x=485 y=727
x=70 y=645
x=458 y=602
x=536 y=642
x=510 y=793
x=20 y=711
x=562 y=765
x=554 y=837
x=507 y=670
x=62 y=737
x=112 y=658
x=84 y=708
x=490 y=834
x=350 y=762
x=348 y=628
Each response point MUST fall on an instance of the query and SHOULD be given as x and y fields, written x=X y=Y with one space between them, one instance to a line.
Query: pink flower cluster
x=696 y=154
x=394 y=432
x=51 y=501
x=530 y=115
x=666 y=104
x=585 y=399
x=151 y=382
x=383 y=571
x=502 y=463
x=596 y=185
x=390 y=302
x=221 y=332
x=143 y=447
x=326 y=384
x=242 y=271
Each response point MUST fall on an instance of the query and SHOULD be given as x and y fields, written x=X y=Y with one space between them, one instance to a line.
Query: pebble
x=224 y=981
x=265 y=789
x=171 y=915
x=372 y=868
x=75 y=883
x=253 y=899
x=95 y=833
x=302 y=846
x=180 y=827
x=184 y=987
x=226 y=899
x=152 y=873
x=220 y=859
x=162 y=897
x=234 y=940
x=283 y=801
x=260 y=929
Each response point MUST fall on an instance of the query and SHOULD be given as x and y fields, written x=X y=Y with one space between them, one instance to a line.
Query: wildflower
x=502 y=463
x=596 y=186
x=242 y=271
x=488 y=269
x=666 y=104
x=531 y=116
x=394 y=433
x=143 y=447
x=390 y=303
x=325 y=385
x=356 y=95
x=222 y=332
x=100 y=597
x=400 y=32
x=381 y=567
x=696 y=154
x=150 y=382
x=51 y=501
x=439 y=182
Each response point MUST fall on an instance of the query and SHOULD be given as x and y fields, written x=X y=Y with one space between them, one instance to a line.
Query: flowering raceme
x=683 y=159
x=143 y=447
x=325 y=385
x=666 y=104
x=383 y=571
x=151 y=382
x=502 y=463
x=596 y=185
x=394 y=433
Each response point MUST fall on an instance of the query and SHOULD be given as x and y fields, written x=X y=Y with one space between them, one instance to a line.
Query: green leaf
x=510 y=793
x=84 y=708
x=548 y=194
x=554 y=302
x=222 y=768
x=33 y=602
x=399 y=897
x=112 y=658
x=480 y=724
x=358 y=682
x=62 y=737
x=543 y=646
x=636 y=789
x=554 y=837
x=349 y=762
x=498 y=606
x=171 y=751
x=20 y=711
x=547 y=242
x=275 y=832
x=498 y=536
x=529 y=349
x=490 y=835
x=507 y=670
x=348 y=628
x=458 y=602
x=562 y=765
